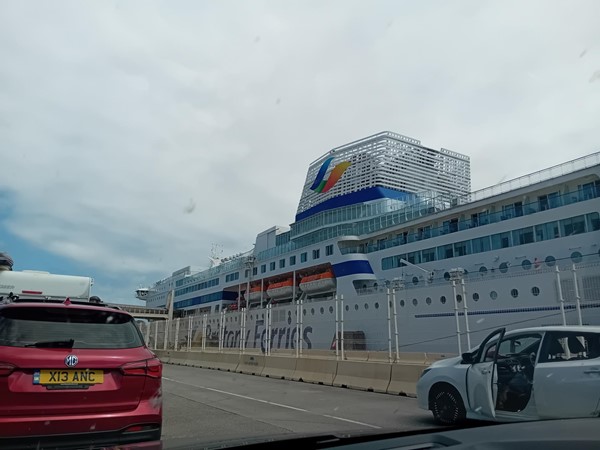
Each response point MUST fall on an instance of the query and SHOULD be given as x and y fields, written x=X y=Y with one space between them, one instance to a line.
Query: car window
x=522 y=344
x=21 y=327
x=570 y=345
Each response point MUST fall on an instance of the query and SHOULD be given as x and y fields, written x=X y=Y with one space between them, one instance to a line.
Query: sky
x=135 y=135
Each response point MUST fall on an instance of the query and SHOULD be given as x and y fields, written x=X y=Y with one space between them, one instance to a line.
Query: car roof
x=54 y=304
x=576 y=328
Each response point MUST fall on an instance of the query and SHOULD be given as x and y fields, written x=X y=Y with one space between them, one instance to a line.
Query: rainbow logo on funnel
x=320 y=184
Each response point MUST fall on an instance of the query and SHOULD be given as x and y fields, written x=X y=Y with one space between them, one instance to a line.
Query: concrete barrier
x=163 y=355
x=209 y=360
x=251 y=364
x=368 y=376
x=279 y=367
x=179 y=358
x=313 y=370
x=356 y=355
x=404 y=378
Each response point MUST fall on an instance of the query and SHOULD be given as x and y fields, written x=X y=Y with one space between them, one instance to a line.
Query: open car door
x=482 y=377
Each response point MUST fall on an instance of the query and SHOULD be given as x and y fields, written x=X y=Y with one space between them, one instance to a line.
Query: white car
x=538 y=373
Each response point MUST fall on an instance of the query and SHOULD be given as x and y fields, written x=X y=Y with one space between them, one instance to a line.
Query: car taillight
x=149 y=367
x=6 y=369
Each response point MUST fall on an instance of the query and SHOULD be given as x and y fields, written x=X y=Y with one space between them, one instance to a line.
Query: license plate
x=68 y=376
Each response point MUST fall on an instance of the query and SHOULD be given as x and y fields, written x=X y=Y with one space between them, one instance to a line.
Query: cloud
x=135 y=134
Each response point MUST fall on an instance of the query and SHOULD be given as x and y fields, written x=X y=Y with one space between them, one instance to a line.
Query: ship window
x=303 y=257
x=292 y=260
x=402 y=303
x=347 y=307
x=312 y=311
x=475 y=296
x=550 y=260
x=504 y=267
x=576 y=257
x=500 y=240
x=281 y=263
x=366 y=306
x=263 y=268
x=462 y=248
x=316 y=254
x=255 y=271
x=523 y=236
x=322 y=310
x=443 y=299
x=304 y=312
x=356 y=307
x=428 y=300
x=247 y=273
x=415 y=280
x=414 y=257
x=376 y=305
x=535 y=291
x=445 y=251
x=331 y=310
x=526 y=264
x=329 y=250
x=428 y=255
x=458 y=298
x=481 y=244
x=572 y=226
x=272 y=265
x=493 y=295
x=447 y=276
x=546 y=231
x=514 y=293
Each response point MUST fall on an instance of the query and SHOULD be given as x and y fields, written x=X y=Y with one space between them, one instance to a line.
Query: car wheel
x=446 y=405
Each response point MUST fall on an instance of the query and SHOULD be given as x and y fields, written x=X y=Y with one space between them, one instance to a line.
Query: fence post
x=389 y=323
x=337 y=328
x=166 y=336
x=176 y=346
x=577 y=297
x=156 y=335
x=456 y=317
x=204 y=325
x=560 y=296
x=395 y=309
x=147 y=334
x=342 y=324
x=190 y=334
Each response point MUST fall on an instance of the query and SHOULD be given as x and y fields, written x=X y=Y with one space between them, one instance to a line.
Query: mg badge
x=71 y=361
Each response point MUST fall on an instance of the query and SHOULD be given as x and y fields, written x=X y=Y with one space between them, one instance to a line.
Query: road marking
x=233 y=394
x=353 y=421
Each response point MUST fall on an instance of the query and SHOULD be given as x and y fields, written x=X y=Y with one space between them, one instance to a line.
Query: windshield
x=294 y=218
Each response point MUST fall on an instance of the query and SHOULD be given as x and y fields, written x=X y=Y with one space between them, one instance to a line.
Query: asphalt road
x=203 y=407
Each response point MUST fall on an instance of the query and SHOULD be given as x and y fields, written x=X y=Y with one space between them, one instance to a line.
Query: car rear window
x=26 y=326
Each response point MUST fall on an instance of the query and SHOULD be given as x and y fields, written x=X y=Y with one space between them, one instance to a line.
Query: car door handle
x=486 y=371
x=594 y=370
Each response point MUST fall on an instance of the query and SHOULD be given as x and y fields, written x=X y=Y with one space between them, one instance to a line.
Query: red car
x=76 y=374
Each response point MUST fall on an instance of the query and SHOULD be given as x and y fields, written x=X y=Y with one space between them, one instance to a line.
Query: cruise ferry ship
x=388 y=231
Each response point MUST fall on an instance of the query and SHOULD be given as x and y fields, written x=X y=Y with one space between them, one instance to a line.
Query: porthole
x=443 y=299
x=576 y=257
x=483 y=270
x=331 y=310
x=366 y=306
x=415 y=302
x=503 y=267
x=514 y=293
x=550 y=260
x=347 y=307
x=428 y=300
x=526 y=264
x=458 y=298
x=312 y=311
x=475 y=297
x=493 y=295
x=322 y=310
x=415 y=280
x=356 y=307
x=535 y=291
x=236 y=318
x=304 y=312
x=376 y=305
x=251 y=316
x=446 y=276
x=402 y=303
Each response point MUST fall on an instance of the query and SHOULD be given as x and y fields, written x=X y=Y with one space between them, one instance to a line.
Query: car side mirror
x=468 y=358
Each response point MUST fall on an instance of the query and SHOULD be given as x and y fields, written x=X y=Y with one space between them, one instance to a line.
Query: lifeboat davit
x=320 y=283
x=281 y=289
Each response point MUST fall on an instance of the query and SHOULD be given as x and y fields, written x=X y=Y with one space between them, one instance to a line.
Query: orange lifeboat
x=319 y=283
x=281 y=289
x=255 y=293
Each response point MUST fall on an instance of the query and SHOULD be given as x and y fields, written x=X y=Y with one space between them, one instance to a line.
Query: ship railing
x=475 y=222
